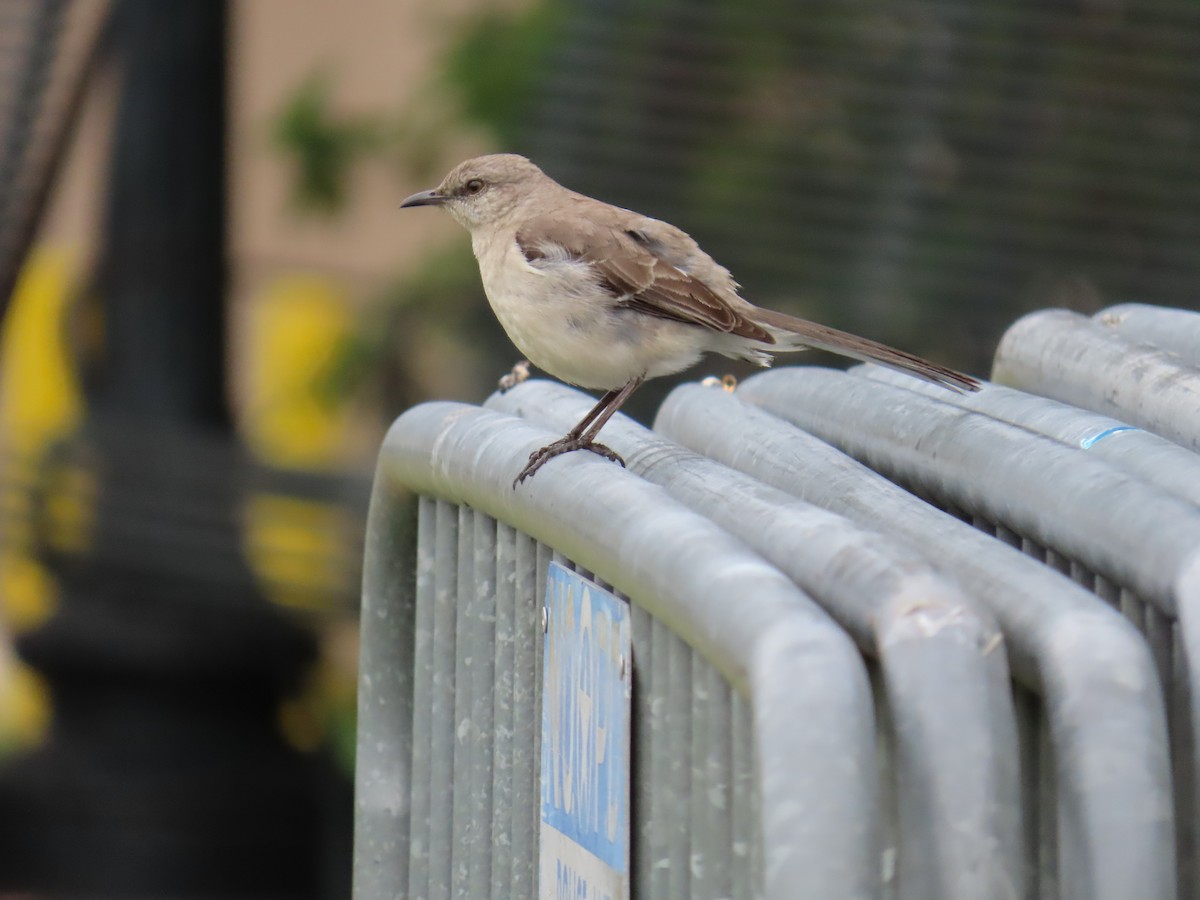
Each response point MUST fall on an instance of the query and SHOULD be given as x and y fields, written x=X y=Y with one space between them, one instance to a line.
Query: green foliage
x=487 y=79
x=442 y=290
x=494 y=65
x=321 y=147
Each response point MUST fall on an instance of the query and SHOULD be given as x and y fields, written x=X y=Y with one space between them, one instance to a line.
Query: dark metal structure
x=166 y=771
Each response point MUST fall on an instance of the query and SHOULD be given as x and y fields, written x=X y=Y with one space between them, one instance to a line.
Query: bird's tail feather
x=813 y=334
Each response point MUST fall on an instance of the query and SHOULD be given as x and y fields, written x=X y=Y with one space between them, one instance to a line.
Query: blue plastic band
x=1088 y=443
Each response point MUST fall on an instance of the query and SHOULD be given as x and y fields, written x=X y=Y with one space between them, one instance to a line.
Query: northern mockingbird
x=605 y=298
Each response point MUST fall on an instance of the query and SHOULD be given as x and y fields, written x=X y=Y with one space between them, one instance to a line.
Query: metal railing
x=753 y=710
x=1176 y=330
x=1131 y=543
x=1148 y=456
x=778 y=545
x=1092 y=732
x=951 y=817
x=1060 y=354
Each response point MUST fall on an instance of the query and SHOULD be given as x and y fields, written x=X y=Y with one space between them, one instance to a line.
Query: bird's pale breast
x=559 y=316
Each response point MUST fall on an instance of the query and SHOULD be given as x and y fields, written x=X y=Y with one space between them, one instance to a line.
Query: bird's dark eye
x=474 y=186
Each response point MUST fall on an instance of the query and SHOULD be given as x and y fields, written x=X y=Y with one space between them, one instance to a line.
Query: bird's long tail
x=813 y=334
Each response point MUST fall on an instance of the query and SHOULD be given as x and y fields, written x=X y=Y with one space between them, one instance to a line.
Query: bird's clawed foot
x=539 y=458
x=519 y=373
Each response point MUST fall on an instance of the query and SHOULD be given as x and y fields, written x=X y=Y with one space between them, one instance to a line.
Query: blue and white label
x=586 y=707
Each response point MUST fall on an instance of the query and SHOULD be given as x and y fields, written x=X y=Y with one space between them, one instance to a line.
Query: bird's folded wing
x=629 y=262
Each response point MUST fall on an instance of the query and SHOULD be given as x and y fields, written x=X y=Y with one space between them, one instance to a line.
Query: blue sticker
x=1088 y=443
x=586 y=708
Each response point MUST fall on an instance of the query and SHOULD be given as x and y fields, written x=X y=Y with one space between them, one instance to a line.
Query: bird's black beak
x=425 y=198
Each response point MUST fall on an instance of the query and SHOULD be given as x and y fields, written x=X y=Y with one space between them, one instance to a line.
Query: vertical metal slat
x=384 y=822
x=743 y=785
x=642 y=787
x=480 y=731
x=679 y=737
x=658 y=844
x=889 y=799
x=713 y=841
x=700 y=859
x=1050 y=818
x=463 y=833
x=527 y=723
x=422 y=752
x=1183 y=750
x=503 y=715
x=442 y=715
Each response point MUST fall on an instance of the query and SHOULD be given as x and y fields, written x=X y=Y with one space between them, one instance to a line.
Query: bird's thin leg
x=601 y=405
x=602 y=417
x=582 y=436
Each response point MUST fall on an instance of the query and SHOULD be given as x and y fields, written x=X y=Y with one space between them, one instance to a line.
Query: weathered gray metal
x=1165 y=465
x=943 y=670
x=1177 y=330
x=1133 y=533
x=1072 y=358
x=727 y=689
x=1110 y=787
x=1150 y=457
x=389 y=770
x=810 y=742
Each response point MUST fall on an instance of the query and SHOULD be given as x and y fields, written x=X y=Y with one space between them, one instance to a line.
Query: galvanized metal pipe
x=946 y=673
x=443 y=770
x=463 y=843
x=1176 y=330
x=1157 y=461
x=1133 y=533
x=387 y=770
x=1149 y=456
x=812 y=707
x=1103 y=700
x=1069 y=357
x=505 y=742
x=527 y=676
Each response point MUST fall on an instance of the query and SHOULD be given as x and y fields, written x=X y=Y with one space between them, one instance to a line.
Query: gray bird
x=604 y=298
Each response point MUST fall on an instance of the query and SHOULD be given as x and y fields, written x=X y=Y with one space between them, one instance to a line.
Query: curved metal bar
x=812 y=708
x=1069 y=357
x=1132 y=533
x=1166 y=465
x=1152 y=458
x=1102 y=695
x=1177 y=330
x=943 y=668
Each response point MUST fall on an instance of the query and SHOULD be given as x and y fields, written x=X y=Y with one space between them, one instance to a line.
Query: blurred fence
x=887 y=641
x=924 y=172
x=48 y=51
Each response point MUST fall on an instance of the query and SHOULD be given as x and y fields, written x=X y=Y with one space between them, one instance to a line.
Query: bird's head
x=485 y=190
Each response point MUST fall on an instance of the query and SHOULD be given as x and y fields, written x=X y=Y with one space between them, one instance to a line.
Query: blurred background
x=213 y=308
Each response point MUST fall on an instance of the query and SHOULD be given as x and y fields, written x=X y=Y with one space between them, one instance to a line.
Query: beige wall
x=380 y=55
x=72 y=219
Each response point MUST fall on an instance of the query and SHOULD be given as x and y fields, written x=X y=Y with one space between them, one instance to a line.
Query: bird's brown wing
x=630 y=257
